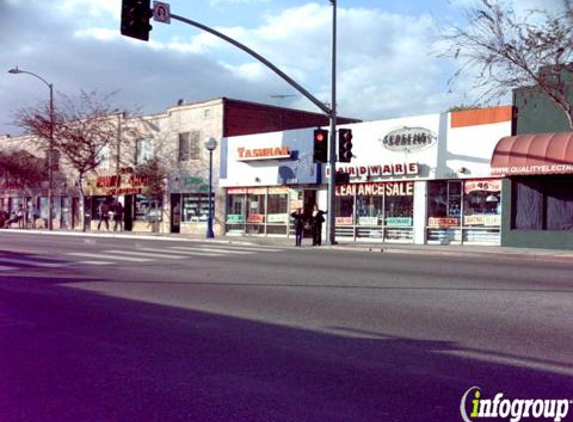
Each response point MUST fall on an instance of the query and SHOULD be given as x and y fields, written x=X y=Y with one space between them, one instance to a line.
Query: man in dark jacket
x=317 y=219
x=298 y=226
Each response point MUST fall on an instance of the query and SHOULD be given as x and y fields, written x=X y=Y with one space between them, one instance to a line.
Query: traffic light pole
x=331 y=226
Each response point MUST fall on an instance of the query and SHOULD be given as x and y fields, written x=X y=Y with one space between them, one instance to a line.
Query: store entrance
x=175 y=213
x=128 y=213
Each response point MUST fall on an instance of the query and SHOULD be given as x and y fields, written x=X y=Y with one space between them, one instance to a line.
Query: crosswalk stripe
x=32 y=263
x=106 y=256
x=4 y=268
x=256 y=248
x=204 y=248
x=147 y=254
x=198 y=253
x=94 y=262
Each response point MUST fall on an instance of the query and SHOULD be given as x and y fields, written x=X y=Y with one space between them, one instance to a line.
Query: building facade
x=420 y=179
x=176 y=137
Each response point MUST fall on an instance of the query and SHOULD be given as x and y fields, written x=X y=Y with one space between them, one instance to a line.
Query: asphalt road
x=134 y=330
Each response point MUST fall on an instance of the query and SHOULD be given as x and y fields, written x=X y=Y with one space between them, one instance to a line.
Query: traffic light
x=344 y=145
x=135 y=16
x=320 y=146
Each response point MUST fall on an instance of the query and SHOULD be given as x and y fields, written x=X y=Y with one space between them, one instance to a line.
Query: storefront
x=140 y=212
x=266 y=178
x=421 y=179
x=189 y=202
x=538 y=193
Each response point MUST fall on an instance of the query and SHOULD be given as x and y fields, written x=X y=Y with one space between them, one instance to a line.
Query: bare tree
x=511 y=51
x=84 y=133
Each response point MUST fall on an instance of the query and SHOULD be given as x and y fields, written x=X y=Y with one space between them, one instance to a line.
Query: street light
x=211 y=145
x=16 y=71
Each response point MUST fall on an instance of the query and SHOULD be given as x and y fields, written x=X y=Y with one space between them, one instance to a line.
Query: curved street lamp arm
x=260 y=58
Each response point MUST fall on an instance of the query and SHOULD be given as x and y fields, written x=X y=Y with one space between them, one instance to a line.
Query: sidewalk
x=469 y=251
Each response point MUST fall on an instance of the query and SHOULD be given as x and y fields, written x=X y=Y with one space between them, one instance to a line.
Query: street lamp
x=16 y=71
x=211 y=145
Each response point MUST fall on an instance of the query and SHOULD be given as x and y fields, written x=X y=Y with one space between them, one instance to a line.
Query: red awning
x=547 y=153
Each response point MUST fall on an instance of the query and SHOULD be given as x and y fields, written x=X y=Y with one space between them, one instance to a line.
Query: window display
x=146 y=209
x=195 y=207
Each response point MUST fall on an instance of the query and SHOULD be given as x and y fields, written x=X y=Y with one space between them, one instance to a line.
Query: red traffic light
x=319 y=136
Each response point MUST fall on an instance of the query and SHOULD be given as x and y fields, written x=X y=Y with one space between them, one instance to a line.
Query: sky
x=387 y=64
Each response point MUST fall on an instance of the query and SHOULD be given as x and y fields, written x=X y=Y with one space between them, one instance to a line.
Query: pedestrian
x=20 y=217
x=33 y=215
x=118 y=216
x=4 y=217
x=103 y=215
x=298 y=226
x=316 y=220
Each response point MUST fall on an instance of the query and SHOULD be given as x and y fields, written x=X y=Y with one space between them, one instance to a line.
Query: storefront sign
x=256 y=218
x=117 y=184
x=443 y=222
x=399 y=221
x=343 y=221
x=482 y=220
x=368 y=221
x=277 y=218
x=273 y=153
x=236 y=191
x=493 y=185
x=235 y=219
x=369 y=171
x=408 y=139
x=376 y=189
x=535 y=169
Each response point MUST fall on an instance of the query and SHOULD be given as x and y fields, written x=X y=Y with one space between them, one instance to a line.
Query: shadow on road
x=72 y=355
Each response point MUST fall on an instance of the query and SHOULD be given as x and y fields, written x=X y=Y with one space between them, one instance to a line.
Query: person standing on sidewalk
x=103 y=215
x=316 y=220
x=118 y=216
x=298 y=226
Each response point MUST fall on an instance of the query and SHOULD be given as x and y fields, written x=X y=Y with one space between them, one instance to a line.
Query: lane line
x=223 y=251
x=197 y=253
x=145 y=254
x=104 y=257
x=33 y=263
x=94 y=262
x=4 y=268
x=248 y=248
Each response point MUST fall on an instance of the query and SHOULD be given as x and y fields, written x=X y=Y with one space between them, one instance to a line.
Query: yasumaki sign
x=408 y=139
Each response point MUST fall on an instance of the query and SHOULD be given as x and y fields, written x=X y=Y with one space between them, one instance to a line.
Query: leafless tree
x=85 y=131
x=511 y=51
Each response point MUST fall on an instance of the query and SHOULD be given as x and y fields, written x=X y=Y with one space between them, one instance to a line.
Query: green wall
x=542 y=239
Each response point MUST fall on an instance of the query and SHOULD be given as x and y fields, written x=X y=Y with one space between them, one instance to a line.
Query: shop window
x=369 y=210
x=256 y=208
x=344 y=210
x=278 y=209
x=195 y=207
x=444 y=203
x=482 y=202
x=543 y=203
x=399 y=210
x=147 y=209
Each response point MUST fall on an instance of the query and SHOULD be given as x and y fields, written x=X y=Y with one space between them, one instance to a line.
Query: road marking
x=94 y=262
x=4 y=268
x=181 y=252
x=33 y=263
x=114 y=253
x=208 y=249
x=106 y=256
x=257 y=249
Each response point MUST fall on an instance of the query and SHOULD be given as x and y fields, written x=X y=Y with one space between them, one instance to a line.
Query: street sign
x=161 y=12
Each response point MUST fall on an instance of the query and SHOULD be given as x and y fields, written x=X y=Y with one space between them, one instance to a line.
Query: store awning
x=547 y=153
